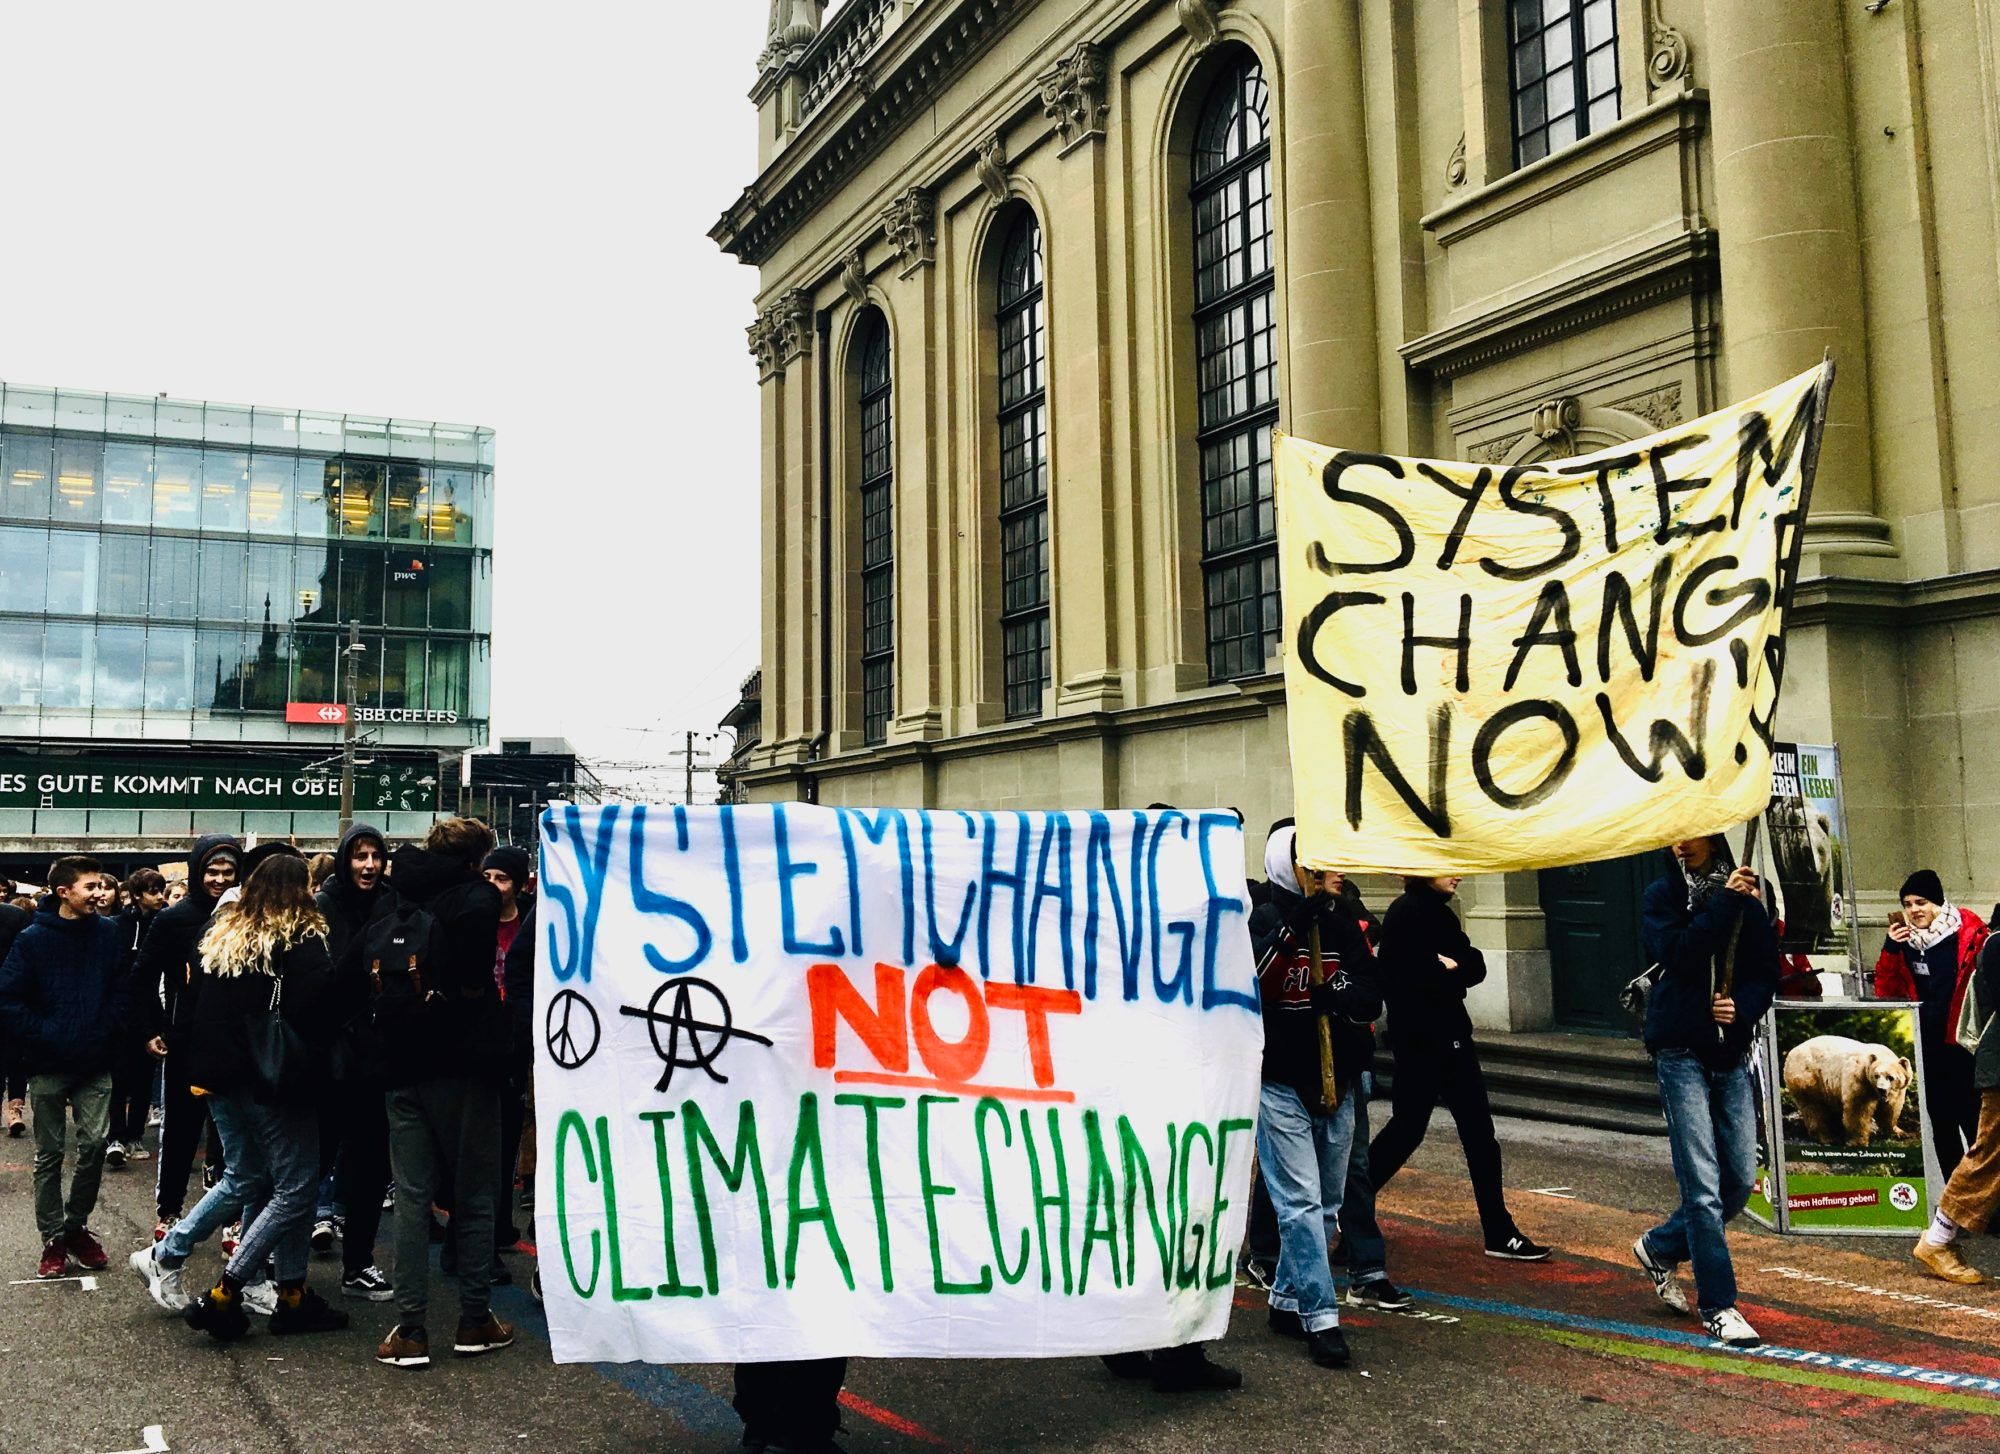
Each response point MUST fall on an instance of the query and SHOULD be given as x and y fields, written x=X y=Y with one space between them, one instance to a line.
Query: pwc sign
x=316 y=714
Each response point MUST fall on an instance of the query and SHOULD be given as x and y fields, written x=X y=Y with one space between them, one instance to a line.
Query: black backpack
x=397 y=953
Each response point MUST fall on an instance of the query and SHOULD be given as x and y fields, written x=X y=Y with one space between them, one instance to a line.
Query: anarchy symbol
x=684 y=1045
x=563 y=1030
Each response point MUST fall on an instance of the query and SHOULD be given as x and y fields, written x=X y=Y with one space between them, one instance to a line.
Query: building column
x=1082 y=563
x=1503 y=918
x=1331 y=392
x=792 y=545
x=1790 y=238
x=922 y=538
x=772 y=638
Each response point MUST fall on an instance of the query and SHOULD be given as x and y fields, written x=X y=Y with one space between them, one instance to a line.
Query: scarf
x=1942 y=928
x=1278 y=860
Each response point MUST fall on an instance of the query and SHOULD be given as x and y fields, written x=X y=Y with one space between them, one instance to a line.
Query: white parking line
x=155 y=1436
x=87 y=1282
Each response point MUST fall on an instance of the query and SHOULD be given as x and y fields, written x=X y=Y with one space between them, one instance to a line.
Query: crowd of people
x=331 y=1037
x=345 y=1035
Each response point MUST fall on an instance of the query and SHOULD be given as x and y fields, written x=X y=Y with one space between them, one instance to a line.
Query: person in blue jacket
x=1705 y=926
x=64 y=1010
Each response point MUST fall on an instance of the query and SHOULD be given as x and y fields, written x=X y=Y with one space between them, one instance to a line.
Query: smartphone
x=1896 y=917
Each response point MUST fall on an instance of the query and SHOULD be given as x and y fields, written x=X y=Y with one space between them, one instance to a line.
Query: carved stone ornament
x=1659 y=407
x=991 y=167
x=854 y=279
x=1493 y=451
x=1200 y=20
x=910 y=224
x=1669 y=60
x=1556 y=419
x=764 y=345
x=792 y=27
x=791 y=325
x=1454 y=168
x=1073 y=94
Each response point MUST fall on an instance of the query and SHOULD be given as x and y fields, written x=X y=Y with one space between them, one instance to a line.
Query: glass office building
x=173 y=573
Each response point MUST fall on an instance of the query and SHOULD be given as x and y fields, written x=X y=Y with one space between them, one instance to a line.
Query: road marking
x=87 y=1282
x=895 y=1422
x=1562 y=1192
x=1922 y=1300
x=155 y=1436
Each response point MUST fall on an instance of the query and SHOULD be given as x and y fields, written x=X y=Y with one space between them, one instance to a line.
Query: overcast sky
x=478 y=213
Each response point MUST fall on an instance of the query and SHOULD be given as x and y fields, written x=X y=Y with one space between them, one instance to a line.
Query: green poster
x=252 y=780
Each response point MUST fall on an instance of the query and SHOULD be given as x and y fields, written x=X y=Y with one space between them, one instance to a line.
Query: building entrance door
x=1593 y=923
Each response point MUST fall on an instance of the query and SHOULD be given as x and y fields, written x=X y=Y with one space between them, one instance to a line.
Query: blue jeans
x=242 y=1191
x=1712 y=1130
x=1304 y=1157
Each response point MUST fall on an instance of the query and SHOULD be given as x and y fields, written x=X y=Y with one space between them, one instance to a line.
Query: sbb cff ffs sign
x=324 y=714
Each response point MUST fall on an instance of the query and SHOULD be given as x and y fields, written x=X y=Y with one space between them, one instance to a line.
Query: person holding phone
x=1929 y=956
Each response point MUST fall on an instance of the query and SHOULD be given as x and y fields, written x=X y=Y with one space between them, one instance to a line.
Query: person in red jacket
x=1929 y=957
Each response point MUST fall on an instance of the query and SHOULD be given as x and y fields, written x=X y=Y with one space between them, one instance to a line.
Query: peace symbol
x=563 y=1030
x=683 y=1027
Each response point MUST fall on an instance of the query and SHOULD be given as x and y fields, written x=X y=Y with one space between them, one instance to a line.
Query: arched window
x=1024 y=472
x=878 y=547
x=1236 y=371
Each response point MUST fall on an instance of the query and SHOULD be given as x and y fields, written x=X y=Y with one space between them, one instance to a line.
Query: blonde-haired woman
x=269 y=948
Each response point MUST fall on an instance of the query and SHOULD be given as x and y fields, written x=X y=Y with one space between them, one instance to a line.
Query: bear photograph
x=1848 y=1084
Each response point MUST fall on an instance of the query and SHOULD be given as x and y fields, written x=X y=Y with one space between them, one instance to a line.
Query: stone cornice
x=1847 y=601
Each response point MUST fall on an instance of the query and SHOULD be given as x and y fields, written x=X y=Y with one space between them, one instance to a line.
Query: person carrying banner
x=1929 y=956
x=1704 y=925
x=1973 y=1193
x=1316 y=983
x=1428 y=963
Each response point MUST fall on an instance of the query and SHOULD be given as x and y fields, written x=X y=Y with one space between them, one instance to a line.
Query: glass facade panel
x=448 y=513
x=120 y=683
x=79 y=467
x=449 y=686
x=361 y=572
x=408 y=492
x=24 y=568
x=316 y=497
x=128 y=484
x=314 y=654
x=225 y=492
x=20 y=663
x=224 y=581
x=268 y=583
x=272 y=477
x=66 y=664
x=169 y=669
x=175 y=578
x=362 y=492
x=27 y=465
x=176 y=487
x=122 y=565
x=269 y=672
x=403 y=671
x=72 y=572
x=451 y=591
x=218 y=671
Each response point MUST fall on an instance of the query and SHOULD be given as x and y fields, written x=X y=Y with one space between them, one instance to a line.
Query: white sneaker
x=1728 y=1326
x=136 y=1151
x=163 y=1284
x=1662 y=1273
x=322 y=1236
x=114 y=1156
x=260 y=1297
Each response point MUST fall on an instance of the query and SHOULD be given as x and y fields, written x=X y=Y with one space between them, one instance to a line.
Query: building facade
x=177 y=582
x=1038 y=280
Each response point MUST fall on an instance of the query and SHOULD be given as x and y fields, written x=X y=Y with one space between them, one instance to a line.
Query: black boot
x=1328 y=1348
x=1187 y=1369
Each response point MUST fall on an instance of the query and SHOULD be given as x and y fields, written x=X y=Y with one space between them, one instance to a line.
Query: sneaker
x=1379 y=1292
x=535 y=1285
x=322 y=1236
x=481 y=1337
x=114 y=1156
x=1261 y=1272
x=1190 y=1370
x=162 y=1227
x=55 y=1258
x=404 y=1348
x=310 y=1314
x=222 y=1318
x=1127 y=1365
x=1286 y=1324
x=154 y=1117
x=1328 y=1348
x=368 y=1283
x=136 y=1151
x=389 y=1197
x=163 y=1284
x=231 y=1236
x=1945 y=1262
x=17 y=1118
x=1518 y=1248
x=260 y=1297
x=87 y=1250
x=1662 y=1273
x=1726 y=1325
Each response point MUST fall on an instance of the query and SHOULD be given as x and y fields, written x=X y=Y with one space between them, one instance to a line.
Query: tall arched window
x=1024 y=472
x=1236 y=371
x=878 y=549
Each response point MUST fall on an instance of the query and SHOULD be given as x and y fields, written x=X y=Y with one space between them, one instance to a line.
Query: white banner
x=815 y=1081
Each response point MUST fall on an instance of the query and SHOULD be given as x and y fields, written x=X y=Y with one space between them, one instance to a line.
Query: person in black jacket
x=132 y=1077
x=1316 y=981
x=1704 y=926
x=446 y=1056
x=13 y=1079
x=167 y=963
x=1973 y=1192
x=1428 y=963
x=64 y=1009
x=264 y=955
x=354 y=1124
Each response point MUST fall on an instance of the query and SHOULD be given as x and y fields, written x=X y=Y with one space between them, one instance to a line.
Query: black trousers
x=354 y=1136
x=796 y=1401
x=1951 y=1104
x=183 y=1119
x=131 y=1094
x=513 y=1113
x=1428 y=1071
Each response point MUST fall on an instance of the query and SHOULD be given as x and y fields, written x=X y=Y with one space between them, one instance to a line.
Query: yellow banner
x=1492 y=668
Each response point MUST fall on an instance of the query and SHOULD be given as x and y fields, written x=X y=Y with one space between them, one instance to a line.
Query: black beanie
x=1924 y=884
x=512 y=861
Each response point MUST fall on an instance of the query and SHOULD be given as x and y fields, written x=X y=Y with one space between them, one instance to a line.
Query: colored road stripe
x=893 y=1422
x=1746 y=1361
x=1865 y=1387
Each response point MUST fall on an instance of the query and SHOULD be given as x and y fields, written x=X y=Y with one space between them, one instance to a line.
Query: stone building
x=1039 y=278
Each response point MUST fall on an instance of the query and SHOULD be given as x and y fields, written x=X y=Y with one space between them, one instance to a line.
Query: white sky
x=480 y=213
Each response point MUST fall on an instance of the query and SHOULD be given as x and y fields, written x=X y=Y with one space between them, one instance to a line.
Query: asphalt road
x=1574 y=1354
